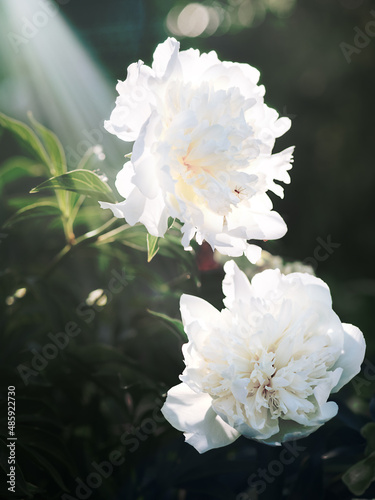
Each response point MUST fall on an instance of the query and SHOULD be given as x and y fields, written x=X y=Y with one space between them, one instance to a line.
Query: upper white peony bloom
x=265 y=365
x=202 y=152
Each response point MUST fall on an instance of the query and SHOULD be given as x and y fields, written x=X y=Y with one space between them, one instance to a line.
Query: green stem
x=95 y=232
x=56 y=260
x=76 y=208
x=107 y=236
x=85 y=238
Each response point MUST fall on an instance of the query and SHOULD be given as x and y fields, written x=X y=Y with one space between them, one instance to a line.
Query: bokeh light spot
x=193 y=20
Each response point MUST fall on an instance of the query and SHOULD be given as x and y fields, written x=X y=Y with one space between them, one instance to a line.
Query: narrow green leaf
x=174 y=324
x=79 y=181
x=27 y=137
x=46 y=442
x=152 y=246
x=46 y=465
x=359 y=477
x=97 y=354
x=131 y=236
x=91 y=359
x=52 y=145
x=89 y=159
x=171 y=246
x=368 y=432
x=40 y=209
x=19 y=166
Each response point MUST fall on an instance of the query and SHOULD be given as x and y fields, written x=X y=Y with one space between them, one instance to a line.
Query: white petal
x=282 y=125
x=270 y=428
x=266 y=281
x=188 y=232
x=271 y=225
x=194 y=65
x=212 y=224
x=327 y=411
x=253 y=253
x=352 y=355
x=165 y=55
x=134 y=206
x=259 y=221
x=145 y=178
x=155 y=216
x=192 y=414
x=197 y=309
x=229 y=245
x=236 y=286
x=134 y=104
x=117 y=208
x=152 y=213
x=124 y=184
x=290 y=431
x=243 y=76
x=316 y=288
x=323 y=390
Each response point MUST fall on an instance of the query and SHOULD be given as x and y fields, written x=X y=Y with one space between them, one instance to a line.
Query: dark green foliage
x=96 y=400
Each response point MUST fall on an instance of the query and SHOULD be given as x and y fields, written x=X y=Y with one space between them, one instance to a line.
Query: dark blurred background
x=61 y=60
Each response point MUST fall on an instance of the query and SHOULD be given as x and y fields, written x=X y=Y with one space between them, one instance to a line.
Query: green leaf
x=368 y=432
x=46 y=442
x=97 y=354
x=27 y=137
x=174 y=324
x=89 y=160
x=93 y=359
x=46 y=465
x=79 y=181
x=40 y=209
x=171 y=247
x=131 y=236
x=359 y=477
x=152 y=246
x=53 y=147
x=19 y=166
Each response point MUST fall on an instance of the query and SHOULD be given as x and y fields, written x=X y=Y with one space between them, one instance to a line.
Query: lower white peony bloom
x=264 y=366
x=202 y=152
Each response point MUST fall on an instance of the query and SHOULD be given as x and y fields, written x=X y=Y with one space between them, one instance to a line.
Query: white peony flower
x=264 y=366
x=202 y=152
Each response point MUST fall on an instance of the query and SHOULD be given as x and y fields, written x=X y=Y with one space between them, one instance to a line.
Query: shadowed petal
x=352 y=356
x=192 y=414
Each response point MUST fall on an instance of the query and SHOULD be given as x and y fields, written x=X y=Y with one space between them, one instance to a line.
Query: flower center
x=269 y=384
x=260 y=385
x=209 y=145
